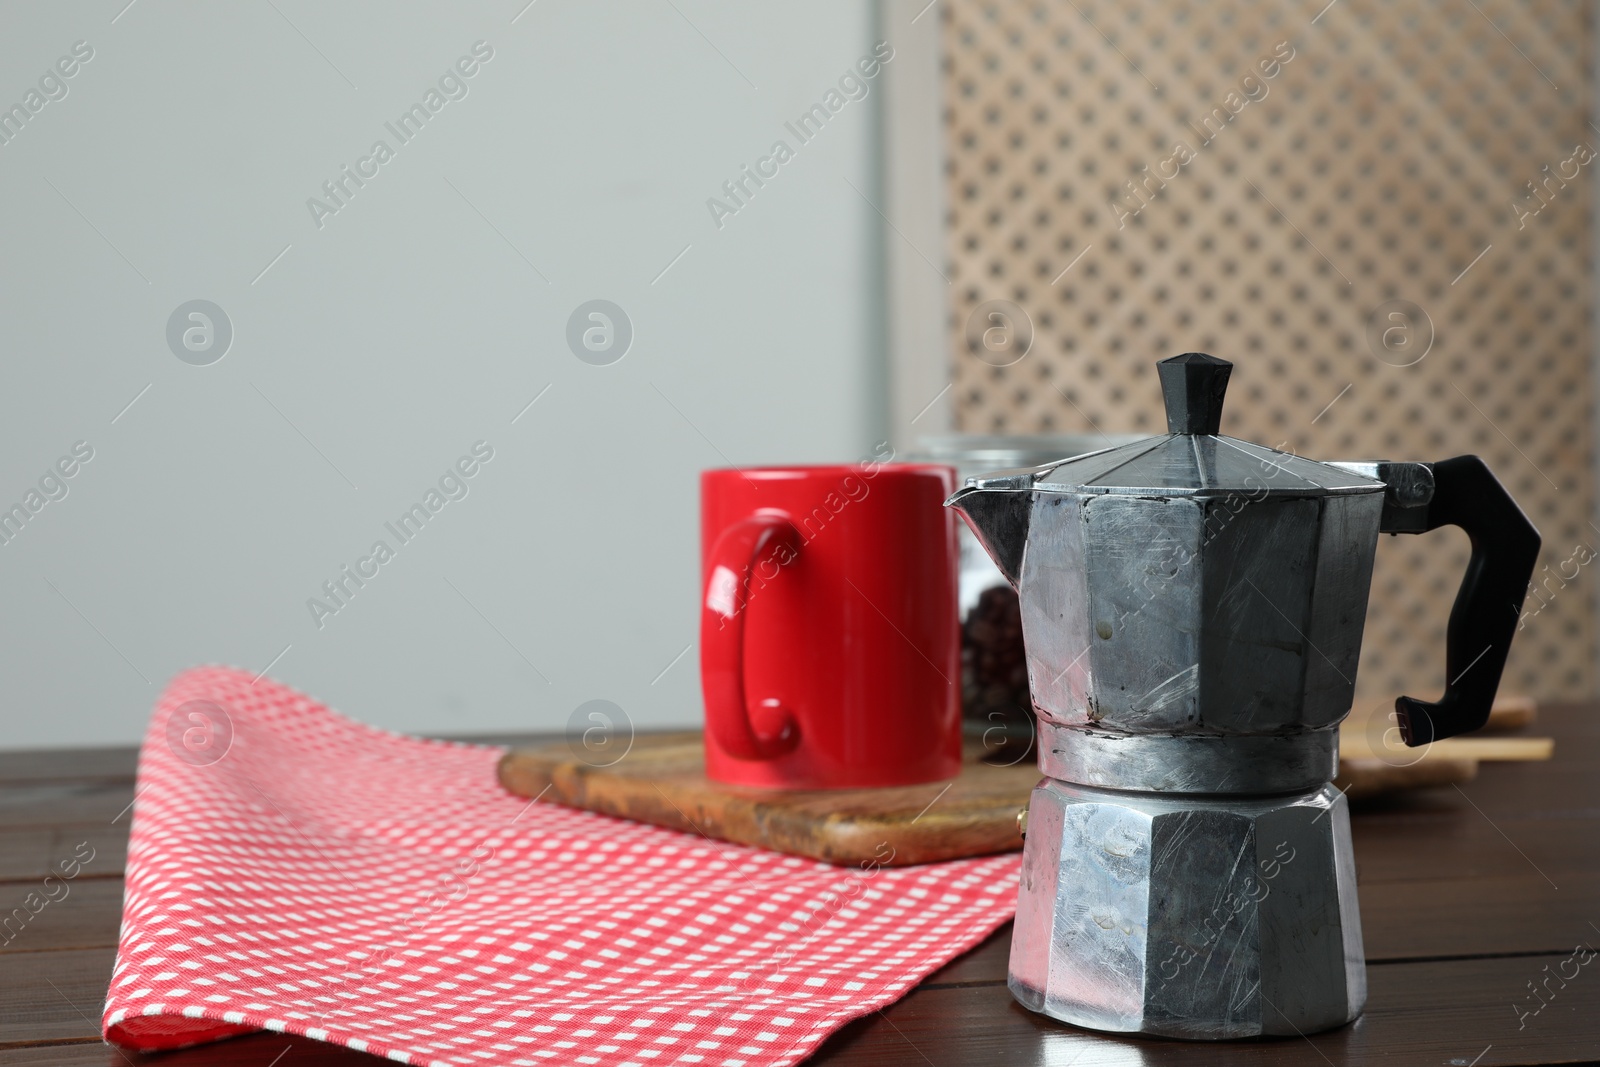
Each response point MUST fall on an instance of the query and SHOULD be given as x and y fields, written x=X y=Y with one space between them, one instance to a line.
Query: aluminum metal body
x=1199 y=620
x=1192 y=608
x=1188 y=916
x=1197 y=638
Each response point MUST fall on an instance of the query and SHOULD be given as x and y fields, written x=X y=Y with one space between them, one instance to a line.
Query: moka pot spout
x=998 y=508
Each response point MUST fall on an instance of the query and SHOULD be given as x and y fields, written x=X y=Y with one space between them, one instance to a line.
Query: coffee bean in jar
x=994 y=674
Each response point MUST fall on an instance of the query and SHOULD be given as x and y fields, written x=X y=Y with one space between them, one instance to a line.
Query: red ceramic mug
x=830 y=651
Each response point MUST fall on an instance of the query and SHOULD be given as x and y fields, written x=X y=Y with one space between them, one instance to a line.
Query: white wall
x=382 y=345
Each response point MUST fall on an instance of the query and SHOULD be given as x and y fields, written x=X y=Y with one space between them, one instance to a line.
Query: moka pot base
x=1188 y=916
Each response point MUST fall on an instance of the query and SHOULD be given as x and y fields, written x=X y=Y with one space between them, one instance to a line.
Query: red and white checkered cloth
x=292 y=870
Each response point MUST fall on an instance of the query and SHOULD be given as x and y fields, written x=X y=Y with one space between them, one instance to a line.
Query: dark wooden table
x=1470 y=899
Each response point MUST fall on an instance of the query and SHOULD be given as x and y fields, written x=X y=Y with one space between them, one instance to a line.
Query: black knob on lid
x=1193 y=385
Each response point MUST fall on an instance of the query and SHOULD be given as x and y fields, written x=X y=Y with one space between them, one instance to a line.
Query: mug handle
x=726 y=594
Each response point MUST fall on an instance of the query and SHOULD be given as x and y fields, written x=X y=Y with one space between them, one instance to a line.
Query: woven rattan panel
x=1329 y=163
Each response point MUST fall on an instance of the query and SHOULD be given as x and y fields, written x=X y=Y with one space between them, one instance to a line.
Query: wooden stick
x=1357 y=744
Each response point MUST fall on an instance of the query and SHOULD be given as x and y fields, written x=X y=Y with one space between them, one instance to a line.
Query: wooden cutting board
x=662 y=781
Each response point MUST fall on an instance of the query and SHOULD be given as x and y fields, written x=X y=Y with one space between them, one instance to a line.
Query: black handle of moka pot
x=1488 y=608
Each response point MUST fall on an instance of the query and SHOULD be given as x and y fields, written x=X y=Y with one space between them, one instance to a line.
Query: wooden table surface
x=1470 y=898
